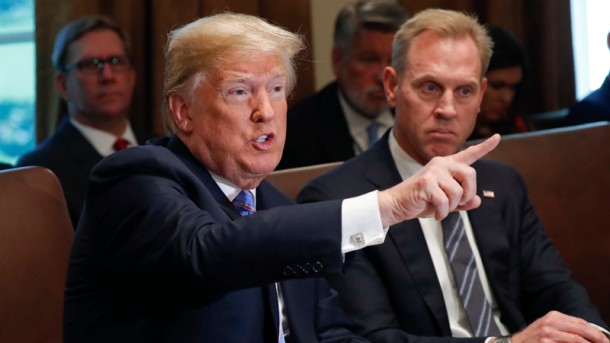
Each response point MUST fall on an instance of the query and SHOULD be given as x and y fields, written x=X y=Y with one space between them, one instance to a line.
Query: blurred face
x=102 y=95
x=359 y=71
x=501 y=87
x=438 y=97
x=235 y=123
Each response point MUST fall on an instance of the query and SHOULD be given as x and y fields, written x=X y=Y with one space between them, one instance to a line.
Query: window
x=17 y=78
x=590 y=27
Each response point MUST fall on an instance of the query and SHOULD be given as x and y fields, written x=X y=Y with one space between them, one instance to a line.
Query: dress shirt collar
x=229 y=189
x=102 y=141
x=357 y=124
x=405 y=164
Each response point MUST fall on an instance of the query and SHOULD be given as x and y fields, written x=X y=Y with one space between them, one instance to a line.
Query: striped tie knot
x=244 y=203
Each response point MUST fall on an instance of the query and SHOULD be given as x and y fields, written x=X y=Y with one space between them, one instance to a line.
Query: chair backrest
x=291 y=181
x=35 y=241
x=547 y=120
x=567 y=172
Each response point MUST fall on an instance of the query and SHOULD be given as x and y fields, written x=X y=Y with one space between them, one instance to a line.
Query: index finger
x=475 y=152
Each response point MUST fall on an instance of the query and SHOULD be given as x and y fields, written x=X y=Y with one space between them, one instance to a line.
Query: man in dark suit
x=408 y=289
x=181 y=240
x=334 y=124
x=595 y=106
x=95 y=79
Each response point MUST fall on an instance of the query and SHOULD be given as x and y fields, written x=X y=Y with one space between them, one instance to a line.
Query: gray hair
x=446 y=23
x=201 y=45
x=381 y=15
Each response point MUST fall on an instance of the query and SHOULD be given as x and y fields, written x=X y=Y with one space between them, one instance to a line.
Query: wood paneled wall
x=542 y=26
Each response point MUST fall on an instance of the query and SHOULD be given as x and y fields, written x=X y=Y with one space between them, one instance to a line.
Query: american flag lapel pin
x=489 y=194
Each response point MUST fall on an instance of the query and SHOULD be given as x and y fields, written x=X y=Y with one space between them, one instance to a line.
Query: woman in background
x=502 y=105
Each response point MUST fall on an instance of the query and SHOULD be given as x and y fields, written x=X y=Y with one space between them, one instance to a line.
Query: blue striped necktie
x=372 y=132
x=244 y=204
x=461 y=258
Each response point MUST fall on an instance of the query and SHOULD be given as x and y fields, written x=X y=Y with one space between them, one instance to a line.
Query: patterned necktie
x=478 y=309
x=120 y=144
x=244 y=204
x=372 y=132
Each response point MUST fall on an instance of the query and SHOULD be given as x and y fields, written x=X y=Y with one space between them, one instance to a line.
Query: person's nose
x=379 y=72
x=445 y=107
x=106 y=73
x=262 y=109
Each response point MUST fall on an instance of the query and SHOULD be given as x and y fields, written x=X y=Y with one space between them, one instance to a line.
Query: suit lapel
x=488 y=226
x=176 y=145
x=83 y=154
x=407 y=237
x=333 y=129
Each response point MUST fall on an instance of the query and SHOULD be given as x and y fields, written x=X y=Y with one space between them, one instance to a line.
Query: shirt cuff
x=602 y=330
x=361 y=222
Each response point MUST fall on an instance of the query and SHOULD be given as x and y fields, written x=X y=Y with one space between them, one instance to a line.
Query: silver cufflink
x=357 y=239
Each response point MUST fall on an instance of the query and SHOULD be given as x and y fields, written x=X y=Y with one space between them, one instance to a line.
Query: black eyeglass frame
x=93 y=66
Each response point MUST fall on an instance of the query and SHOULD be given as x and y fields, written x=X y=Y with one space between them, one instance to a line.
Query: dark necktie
x=372 y=132
x=244 y=204
x=478 y=309
x=120 y=144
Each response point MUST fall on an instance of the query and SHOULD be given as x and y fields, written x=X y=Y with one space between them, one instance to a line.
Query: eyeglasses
x=93 y=66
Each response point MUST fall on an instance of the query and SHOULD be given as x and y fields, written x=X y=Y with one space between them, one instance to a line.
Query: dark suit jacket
x=595 y=107
x=71 y=157
x=160 y=255
x=392 y=291
x=317 y=131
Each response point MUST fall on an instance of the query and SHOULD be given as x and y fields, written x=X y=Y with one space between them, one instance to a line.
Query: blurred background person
x=350 y=113
x=502 y=108
x=95 y=79
x=595 y=107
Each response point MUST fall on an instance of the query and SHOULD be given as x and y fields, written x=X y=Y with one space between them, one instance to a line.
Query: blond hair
x=446 y=23
x=201 y=45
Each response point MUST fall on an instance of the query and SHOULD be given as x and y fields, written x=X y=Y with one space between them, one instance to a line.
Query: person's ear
x=336 y=58
x=390 y=85
x=180 y=113
x=61 y=86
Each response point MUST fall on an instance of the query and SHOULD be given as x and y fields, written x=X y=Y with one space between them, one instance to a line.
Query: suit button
x=299 y=269
x=317 y=267
x=288 y=271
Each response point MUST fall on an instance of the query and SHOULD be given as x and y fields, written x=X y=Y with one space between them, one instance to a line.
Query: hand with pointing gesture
x=443 y=185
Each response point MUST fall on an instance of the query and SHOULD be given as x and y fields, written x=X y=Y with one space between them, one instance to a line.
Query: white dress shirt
x=103 y=141
x=433 y=233
x=357 y=125
x=360 y=217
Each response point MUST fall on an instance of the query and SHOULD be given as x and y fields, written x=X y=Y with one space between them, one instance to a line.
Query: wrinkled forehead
x=238 y=66
x=89 y=43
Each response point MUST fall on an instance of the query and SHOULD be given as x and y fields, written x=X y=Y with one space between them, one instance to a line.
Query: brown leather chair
x=35 y=241
x=291 y=181
x=567 y=172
